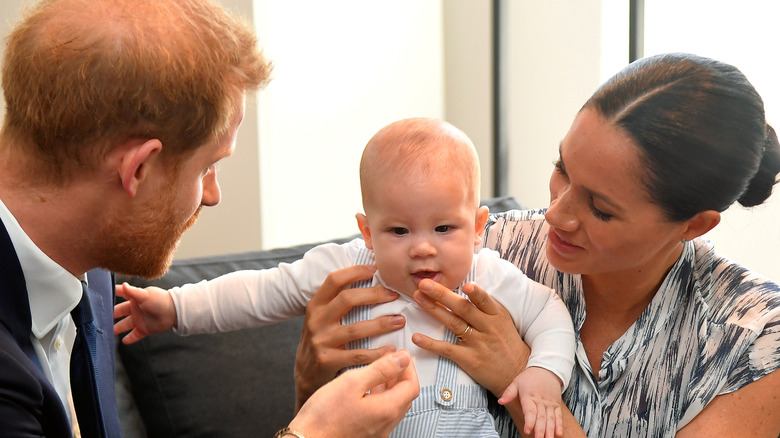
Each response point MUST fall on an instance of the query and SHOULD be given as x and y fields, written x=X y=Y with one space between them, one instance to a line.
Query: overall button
x=446 y=394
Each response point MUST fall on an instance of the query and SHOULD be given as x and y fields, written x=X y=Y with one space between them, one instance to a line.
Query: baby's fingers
x=131 y=293
x=510 y=393
x=133 y=336
x=122 y=309
x=529 y=417
x=545 y=420
x=123 y=325
x=558 y=423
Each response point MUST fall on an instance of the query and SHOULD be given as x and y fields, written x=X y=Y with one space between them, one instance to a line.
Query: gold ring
x=466 y=333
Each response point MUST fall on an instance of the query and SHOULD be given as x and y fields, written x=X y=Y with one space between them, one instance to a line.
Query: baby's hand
x=539 y=391
x=147 y=311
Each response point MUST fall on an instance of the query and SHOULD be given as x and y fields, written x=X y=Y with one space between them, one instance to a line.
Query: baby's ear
x=479 y=224
x=362 y=221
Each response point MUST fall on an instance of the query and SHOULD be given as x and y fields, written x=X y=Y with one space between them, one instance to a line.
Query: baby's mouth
x=421 y=275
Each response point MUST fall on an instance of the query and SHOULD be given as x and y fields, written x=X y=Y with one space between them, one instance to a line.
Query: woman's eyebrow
x=593 y=193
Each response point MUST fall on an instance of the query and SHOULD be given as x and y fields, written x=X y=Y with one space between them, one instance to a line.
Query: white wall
x=343 y=69
x=234 y=225
x=555 y=65
x=468 y=77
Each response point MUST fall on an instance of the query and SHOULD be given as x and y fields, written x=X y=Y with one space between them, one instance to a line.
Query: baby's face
x=423 y=229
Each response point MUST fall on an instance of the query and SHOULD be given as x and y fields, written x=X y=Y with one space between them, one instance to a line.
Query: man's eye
x=399 y=231
x=443 y=228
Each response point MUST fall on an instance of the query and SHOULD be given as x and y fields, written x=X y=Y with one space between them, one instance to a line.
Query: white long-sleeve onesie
x=247 y=298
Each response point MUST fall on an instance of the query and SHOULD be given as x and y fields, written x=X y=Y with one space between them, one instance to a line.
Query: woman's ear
x=479 y=224
x=135 y=161
x=362 y=221
x=701 y=223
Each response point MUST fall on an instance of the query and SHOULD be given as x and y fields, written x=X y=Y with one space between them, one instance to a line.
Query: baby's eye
x=443 y=228
x=398 y=231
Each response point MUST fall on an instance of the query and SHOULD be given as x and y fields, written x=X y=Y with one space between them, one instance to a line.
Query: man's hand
x=345 y=408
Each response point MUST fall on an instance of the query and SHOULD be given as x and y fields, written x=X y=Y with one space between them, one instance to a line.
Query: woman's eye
x=559 y=166
x=443 y=228
x=600 y=215
x=398 y=231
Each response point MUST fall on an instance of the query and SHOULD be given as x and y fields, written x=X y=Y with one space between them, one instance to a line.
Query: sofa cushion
x=233 y=384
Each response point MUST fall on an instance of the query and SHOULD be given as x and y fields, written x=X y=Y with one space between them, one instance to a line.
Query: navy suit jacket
x=29 y=405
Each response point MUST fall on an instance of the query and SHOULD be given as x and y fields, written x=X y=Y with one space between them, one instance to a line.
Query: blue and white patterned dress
x=712 y=328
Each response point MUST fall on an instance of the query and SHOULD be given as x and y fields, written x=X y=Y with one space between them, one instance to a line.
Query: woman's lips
x=560 y=244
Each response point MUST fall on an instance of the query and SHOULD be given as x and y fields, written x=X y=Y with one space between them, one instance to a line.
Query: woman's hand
x=321 y=351
x=492 y=352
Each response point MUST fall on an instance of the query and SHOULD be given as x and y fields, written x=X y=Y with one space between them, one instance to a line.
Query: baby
x=420 y=185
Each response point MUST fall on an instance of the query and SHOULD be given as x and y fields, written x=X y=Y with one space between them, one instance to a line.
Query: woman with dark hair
x=672 y=339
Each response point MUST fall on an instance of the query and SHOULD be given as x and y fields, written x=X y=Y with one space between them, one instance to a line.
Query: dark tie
x=83 y=371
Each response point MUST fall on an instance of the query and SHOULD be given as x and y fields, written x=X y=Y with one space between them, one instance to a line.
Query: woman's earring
x=683 y=241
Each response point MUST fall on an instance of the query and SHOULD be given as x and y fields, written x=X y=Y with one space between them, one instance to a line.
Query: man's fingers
x=383 y=370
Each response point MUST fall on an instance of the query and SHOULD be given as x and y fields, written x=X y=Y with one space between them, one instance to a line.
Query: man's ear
x=362 y=221
x=701 y=223
x=135 y=161
x=479 y=224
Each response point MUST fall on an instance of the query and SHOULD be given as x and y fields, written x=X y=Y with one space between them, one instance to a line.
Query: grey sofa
x=235 y=384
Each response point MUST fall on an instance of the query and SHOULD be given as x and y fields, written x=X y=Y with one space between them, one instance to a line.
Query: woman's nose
x=560 y=214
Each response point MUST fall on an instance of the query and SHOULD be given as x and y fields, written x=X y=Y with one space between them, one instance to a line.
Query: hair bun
x=760 y=187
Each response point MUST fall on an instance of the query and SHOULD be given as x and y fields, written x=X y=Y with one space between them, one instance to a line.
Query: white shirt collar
x=53 y=291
